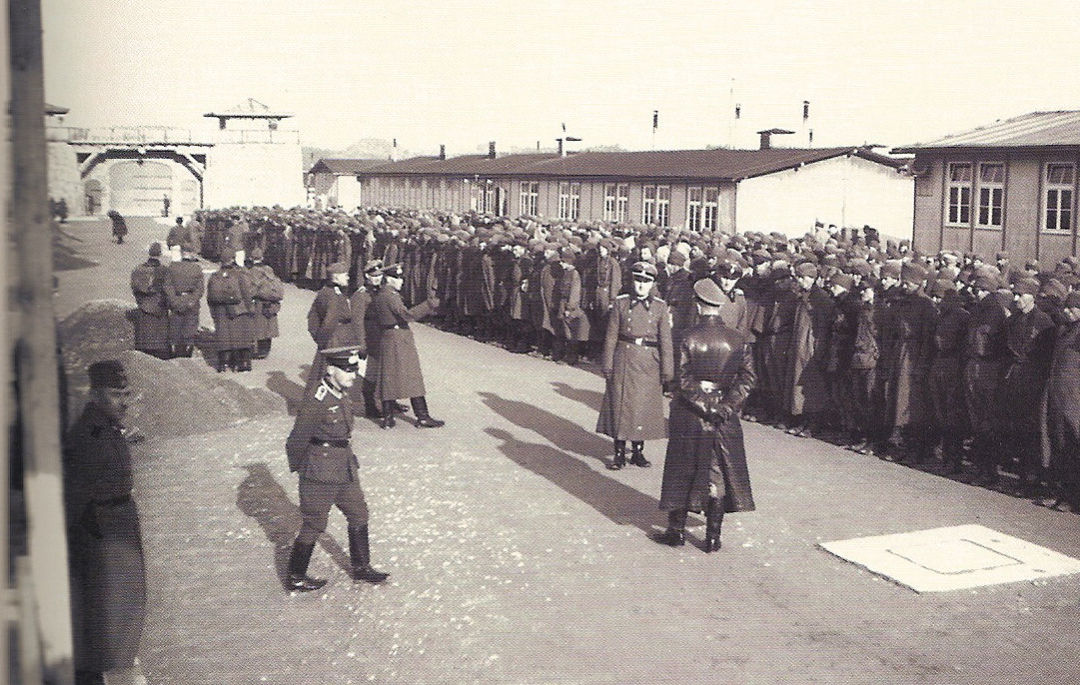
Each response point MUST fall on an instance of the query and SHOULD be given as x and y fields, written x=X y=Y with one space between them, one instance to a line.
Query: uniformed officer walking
x=318 y=449
x=705 y=465
x=637 y=363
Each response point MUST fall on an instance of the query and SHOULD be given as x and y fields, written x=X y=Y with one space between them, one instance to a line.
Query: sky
x=462 y=73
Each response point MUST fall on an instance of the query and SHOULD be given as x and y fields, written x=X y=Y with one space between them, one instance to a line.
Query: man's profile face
x=113 y=402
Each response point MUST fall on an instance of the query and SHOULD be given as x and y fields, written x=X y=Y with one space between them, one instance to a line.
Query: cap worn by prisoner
x=941 y=286
x=155 y=249
x=373 y=267
x=392 y=270
x=1026 y=286
x=891 y=269
x=708 y=292
x=256 y=254
x=806 y=269
x=985 y=281
x=912 y=273
x=676 y=258
x=346 y=358
x=728 y=268
x=337 y=268
x=845 y=281
x=643 y=271
x=107 y=374
x=1054 y=289
x=1073 y=299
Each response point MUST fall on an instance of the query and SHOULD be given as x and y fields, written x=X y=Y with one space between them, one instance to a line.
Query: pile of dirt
x=174 y=397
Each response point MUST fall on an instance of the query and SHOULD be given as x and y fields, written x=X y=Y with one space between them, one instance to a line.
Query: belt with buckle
x=330 y=443
x=642 y=342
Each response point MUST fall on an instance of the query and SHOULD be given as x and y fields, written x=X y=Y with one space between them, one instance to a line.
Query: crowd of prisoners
x=963 y=363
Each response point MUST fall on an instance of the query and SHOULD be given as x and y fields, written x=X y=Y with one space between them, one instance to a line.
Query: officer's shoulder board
x=321 y=392
x=738 y=291
x=660 y=300
x=622 y=296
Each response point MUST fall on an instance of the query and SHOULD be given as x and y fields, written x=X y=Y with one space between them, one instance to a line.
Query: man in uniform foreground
x=108 y=579
x=318 y=449
x=705 y=467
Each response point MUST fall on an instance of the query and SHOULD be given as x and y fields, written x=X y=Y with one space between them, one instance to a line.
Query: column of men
x=908 y=356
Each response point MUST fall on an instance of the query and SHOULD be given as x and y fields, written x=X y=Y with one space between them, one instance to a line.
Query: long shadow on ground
x=562 y=433
x=618 y=502
x=590 y=398
x=263 y=499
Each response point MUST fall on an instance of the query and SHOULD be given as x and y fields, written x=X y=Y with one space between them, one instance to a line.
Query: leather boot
x=387 y=420
x=371 y=407
x=620 y=456
x=299 y=581
x=675 y=535
x=360 y=554
x=637 y=456
x=714 y=519
x=222 y=361
x=423 y=418
x=243 y=359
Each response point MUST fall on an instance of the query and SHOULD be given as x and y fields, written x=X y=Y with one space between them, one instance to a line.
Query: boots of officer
x=637 y=454
x=224 y=360
x=423 y=418
x=299 y=581
x=387 y=420
x=242 y=359
x=360 y=555
x=675 y=535
x=714 y=519
x=620 y=456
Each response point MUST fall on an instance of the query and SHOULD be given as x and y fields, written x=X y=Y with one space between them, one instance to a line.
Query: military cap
x=643 y=271
x=346 y=358
x=155 y=249
x=891 y=269
x=1026 y=286
x=941 y=286
x=1073 y=299
x=1002 y=255
x=373 y=267
x=985 y=281
x=913 y=273
x=728 y=268
x=567 y=253
x=256 y=254
x=107 y=374
x=860 y=267
x=676 y=258
x=843 y=280
x=1054 y=289
x=806 y=269
x=337 y=268
x=708 y=292
x=392 y=270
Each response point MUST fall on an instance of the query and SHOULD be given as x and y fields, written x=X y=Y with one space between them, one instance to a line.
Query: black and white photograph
x=565 y=343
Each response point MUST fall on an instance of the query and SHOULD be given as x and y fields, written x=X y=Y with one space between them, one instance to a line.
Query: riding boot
x=222 y=361
x=387 y=420
x=570 y=353
x=675 y=535
x=371 y=407
x=637 y=454
x=360 y=554
x=714 y=519
x=299 y=581
x=243 y=359
x=620 y=456
x=423 y=418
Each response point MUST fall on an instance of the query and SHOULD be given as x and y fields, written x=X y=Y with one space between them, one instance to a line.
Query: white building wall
x=349 y=195
x=250 y=174
x=846 y=191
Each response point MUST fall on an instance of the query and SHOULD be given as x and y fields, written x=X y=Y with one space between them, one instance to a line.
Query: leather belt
x=113 y=501
x=402 y=326
x=330 y=443
x=642 y=342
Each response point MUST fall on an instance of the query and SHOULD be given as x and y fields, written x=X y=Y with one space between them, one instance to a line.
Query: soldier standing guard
x=637 y=363
x=318 y=449
x=705 y=466
x=267 y=292
x=184 y=289
x=152 y=312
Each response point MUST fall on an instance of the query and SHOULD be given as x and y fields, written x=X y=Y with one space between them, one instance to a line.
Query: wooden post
x=36 y=349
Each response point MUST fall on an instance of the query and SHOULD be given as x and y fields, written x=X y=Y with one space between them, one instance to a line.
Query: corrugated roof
x=344 y=167
x=719 y=164
x=1037 y=129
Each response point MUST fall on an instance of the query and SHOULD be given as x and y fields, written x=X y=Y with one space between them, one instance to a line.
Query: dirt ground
x=517 y=558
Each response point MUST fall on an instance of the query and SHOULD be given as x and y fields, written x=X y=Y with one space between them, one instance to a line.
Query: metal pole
x=36 y=350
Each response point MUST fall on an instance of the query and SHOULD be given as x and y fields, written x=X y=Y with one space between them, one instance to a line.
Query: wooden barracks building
x=765 y=189
x=1007 y=186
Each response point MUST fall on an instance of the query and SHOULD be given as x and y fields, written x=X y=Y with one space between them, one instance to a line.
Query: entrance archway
x=137 y=187
x=92 y=191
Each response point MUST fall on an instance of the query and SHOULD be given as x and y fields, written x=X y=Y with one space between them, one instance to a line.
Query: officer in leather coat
x=705 y=467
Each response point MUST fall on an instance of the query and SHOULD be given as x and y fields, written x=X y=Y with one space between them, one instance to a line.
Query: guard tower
x=254 y=162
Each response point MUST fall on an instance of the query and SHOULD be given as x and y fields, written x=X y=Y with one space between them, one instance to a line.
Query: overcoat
x=152 y=312
x=264 y=303
x=396 y=366
x=945 y=390
x=573 y=324
x=1063 y=402
x=982 y=372
x=108 y=579
x=184 y=288
x=907 y=402
x=233 y=323
x=804 y=383
x=699 y=452
x=1029 y=342
x=633 y=404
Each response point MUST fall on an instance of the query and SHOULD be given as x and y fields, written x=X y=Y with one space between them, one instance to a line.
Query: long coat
x=1028 y=345
x=907 y=402
x=184 y=289
x=573 y=324
x=633 y=405
x=699 y=452
x=108 y=579
x=945 y=390
x=804 y=384
x=396 y=368
x=264 y=302
x=1063 y=403
x=982 y=371
x=152 y=312
x=233 y=323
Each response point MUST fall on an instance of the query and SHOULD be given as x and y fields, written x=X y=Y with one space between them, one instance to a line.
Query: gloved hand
x=722 y=414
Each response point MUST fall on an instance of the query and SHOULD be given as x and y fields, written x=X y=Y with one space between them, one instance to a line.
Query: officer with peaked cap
x=705 y=466
x=319 y=450
x=108 y=580
x=637 y=363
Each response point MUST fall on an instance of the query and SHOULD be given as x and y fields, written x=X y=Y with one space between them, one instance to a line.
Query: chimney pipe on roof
x=491 y=150
x=442 y=152
x=562 y=150
x=766 y=137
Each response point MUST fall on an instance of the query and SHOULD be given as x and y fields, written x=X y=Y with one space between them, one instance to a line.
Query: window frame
x=1058 y=188
x=990 y=186
x=610 y=201
x=648 y=204
x=622 y=202
x=959 y=186
x=694 y=207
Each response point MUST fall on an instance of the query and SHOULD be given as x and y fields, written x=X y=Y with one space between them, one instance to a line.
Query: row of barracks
x=765 y=189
